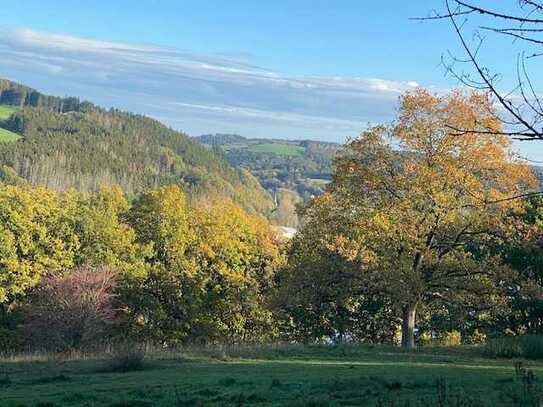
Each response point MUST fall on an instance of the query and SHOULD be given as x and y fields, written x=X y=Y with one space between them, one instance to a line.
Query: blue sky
x=328 y=38
x=286 y=69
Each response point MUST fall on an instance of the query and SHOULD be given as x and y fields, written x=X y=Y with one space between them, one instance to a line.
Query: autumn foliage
x=409 y=202
x=72 y=310
x=424 y=232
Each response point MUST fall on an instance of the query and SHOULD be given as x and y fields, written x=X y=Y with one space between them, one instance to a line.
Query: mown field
x=278 y=376
x=6 y=111
x=6 y=135
x=276 y=148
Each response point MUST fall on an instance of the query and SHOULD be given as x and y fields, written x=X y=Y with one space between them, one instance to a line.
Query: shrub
x=452 y=338
x=71 y=310
x=11 y=340
x=127 y=357
x=528 y=346
x=508 y=347
x=532 y=346
x=477 y=337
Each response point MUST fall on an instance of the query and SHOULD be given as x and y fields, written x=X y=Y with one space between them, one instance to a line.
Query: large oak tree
x=408 y=201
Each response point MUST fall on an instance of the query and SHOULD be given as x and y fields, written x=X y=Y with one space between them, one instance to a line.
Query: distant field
x=317 y=181
x=8 y=136
x=277 y=148
x=230 y=147
x=296 y=376
x=6 y=111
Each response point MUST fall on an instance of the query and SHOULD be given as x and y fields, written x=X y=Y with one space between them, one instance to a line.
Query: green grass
x=6 y=111
x=277 y=148
x=8 y=136
x=317 y=181
x=275 y=376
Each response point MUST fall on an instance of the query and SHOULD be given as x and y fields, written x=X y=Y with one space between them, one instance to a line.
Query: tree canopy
x=408 y=202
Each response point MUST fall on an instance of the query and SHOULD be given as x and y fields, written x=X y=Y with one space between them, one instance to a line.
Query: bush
x=127 y=357
x=528 y=346
x=477 y=338
x=452 y=338
x=74 y=310
x=508 y=347
x=532 y=346
x=11 y=340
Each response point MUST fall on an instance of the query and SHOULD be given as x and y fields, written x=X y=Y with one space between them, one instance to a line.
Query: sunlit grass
x=285 y=375
x=6 y=111
x=7 y=136
x=277 y=148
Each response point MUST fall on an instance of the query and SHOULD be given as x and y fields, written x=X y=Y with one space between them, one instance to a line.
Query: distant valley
x=63 y=143
x=292 y=171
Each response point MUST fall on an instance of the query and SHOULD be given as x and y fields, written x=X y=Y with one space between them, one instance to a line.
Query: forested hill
x=65 y=143
x=292 y=171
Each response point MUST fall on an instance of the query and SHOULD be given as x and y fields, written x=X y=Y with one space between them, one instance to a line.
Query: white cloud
x=70 y=43
x=197 y=92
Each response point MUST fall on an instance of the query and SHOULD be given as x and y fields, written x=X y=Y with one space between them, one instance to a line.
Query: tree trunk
x=408 y=326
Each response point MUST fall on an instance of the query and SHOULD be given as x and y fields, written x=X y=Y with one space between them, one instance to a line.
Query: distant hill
x=65 y=143
x=291 y=170
x=220 y=139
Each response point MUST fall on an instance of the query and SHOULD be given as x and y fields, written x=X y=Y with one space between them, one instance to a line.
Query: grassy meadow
x=277 y=148
x=274 y=376
x=6 y=135
x=6 y=111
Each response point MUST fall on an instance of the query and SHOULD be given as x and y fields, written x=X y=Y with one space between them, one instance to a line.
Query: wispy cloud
x=198 y=92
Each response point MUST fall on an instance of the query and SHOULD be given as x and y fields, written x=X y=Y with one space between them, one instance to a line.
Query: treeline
x=17 y=95
x=77 y=270
x=82 y=146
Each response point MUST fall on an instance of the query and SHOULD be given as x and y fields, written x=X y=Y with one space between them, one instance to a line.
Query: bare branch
x=495 y=14
x=532 y=132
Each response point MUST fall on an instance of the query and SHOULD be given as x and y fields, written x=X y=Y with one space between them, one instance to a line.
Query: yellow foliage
x=35 y=236
x=407 y=200
x=452 y=338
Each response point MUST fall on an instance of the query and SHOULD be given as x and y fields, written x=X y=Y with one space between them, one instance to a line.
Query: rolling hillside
x=65 y=143
x=292 y=171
